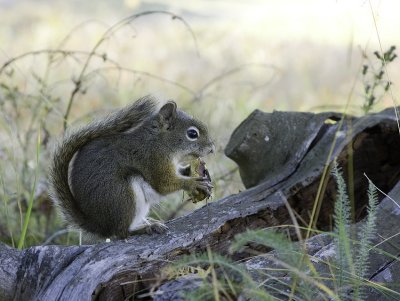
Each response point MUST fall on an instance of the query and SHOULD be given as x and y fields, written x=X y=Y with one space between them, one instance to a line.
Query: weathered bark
x=384 y=265
x=269 y=146
x=120 y=269
x=9 y=262
x=369 y=145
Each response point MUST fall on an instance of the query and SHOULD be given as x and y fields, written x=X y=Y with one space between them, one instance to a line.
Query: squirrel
x=106 y=175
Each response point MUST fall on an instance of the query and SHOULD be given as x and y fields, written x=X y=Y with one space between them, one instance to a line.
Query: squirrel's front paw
x=199 y=188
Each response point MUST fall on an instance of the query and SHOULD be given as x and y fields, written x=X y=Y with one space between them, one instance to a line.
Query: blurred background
x=218 y=59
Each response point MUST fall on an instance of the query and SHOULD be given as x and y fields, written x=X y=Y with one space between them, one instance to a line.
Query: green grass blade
x=31 y=197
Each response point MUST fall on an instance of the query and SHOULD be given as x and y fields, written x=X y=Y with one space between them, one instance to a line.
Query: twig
x=65 y=53
x=228 y=73
x=144 y=73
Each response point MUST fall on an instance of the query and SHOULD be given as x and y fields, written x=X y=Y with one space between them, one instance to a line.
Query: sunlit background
x=224 y=59
x=305 y=53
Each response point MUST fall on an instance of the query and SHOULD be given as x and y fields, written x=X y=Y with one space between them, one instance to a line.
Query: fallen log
x=122 y=269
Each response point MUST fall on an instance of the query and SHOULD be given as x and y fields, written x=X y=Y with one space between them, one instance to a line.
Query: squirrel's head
x=186 y=136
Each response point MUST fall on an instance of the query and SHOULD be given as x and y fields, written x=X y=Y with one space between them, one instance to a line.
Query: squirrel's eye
x=192 y=133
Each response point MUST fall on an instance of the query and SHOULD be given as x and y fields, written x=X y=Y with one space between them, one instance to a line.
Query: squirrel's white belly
x=145 y=196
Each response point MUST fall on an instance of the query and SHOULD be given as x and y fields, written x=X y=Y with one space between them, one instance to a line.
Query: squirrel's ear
x=167 y=113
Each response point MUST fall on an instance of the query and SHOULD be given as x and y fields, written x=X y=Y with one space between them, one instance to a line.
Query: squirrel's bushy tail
x=119 y=121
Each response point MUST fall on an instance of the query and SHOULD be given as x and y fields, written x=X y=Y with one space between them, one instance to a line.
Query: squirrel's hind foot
x=152 y=226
